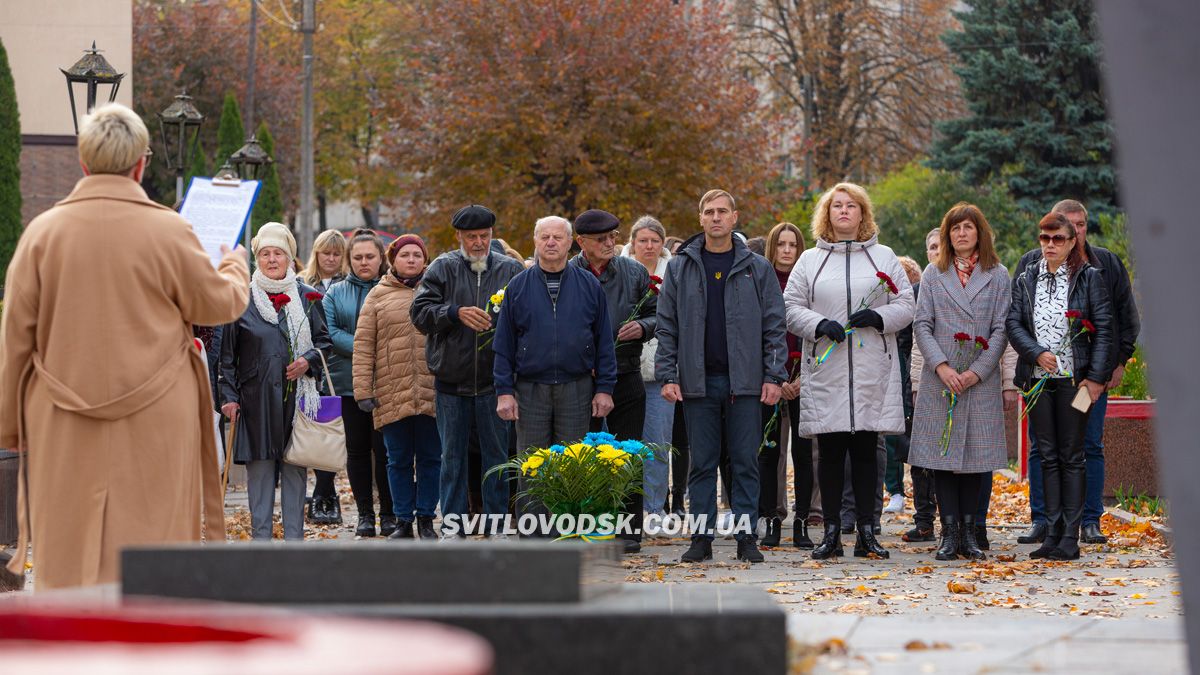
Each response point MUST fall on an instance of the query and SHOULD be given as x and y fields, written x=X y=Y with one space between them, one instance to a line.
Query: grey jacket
x=625 y=282
x=754 y=322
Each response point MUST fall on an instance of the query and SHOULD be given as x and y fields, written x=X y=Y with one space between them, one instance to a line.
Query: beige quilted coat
x=389 y=355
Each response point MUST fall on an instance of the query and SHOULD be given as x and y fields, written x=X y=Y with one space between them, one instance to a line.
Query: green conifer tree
x=1031 y=78
x=229 y=131
x=10 y=165
x=269 y=206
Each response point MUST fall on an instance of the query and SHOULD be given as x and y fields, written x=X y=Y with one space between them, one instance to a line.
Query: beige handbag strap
x=325 y=367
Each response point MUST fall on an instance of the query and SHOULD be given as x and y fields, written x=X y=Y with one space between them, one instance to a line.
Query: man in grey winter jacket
x=451 y=308
x=722 y=351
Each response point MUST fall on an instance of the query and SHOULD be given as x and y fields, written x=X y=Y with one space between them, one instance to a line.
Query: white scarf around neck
x=298 y=329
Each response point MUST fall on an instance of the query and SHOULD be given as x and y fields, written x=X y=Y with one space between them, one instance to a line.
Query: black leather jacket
x=1126 y=322
x=452 y=350
x=625 y=281
x=1093 y=353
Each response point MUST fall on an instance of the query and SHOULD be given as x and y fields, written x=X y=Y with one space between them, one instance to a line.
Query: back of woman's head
x=111 y=139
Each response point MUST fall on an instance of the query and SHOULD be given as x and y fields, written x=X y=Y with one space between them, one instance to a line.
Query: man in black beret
x=451 y=308
x=625 y=282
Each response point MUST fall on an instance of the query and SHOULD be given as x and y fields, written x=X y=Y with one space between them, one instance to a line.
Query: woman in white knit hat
x=269 y=371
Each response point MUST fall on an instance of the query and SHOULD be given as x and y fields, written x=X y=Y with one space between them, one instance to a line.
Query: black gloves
x=831 y=329
x=367 y=405
x=866 y=318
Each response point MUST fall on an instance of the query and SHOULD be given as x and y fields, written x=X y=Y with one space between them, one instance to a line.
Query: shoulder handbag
x=319 y=443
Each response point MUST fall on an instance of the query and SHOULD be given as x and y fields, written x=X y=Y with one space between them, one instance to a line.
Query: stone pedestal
x=1130 y=450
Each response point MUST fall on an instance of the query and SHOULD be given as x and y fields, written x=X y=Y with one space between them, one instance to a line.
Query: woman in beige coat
x=101 y=386
x=392 y=380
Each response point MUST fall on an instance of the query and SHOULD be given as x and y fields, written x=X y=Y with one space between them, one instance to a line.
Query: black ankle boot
x=699 y=551
x=1048 y=545
x=867 y=545
x=425 y=528
x=948 y=548
x=771 y=538
x=831 y=543
x=316 y=511
x=981 y=537
x=366 y=525
x=403 y=530
x=1067 y=549
x=968 y=546
x=333 y=511
x=748 y=551
x=800 y=534
x=387 y=524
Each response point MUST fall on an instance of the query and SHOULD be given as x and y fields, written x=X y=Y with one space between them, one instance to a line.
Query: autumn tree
x=553 y=106
x=864 y=81
x=268 y=208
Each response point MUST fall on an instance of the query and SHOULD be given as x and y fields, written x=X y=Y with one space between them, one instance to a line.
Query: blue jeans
x=741 y=417
x=409 y=439
x=1093 y=457
x=660 y=420
x=456 y=416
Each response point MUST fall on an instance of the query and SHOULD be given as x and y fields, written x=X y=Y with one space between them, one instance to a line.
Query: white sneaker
x=895 y=505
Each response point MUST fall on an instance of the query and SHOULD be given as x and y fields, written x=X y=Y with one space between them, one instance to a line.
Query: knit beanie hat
x=277 y=235
x=402 y=241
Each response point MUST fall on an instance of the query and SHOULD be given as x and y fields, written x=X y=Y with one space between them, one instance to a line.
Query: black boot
x=800 y=534
x=1053 y=536
x=334 y=509
x=948 y=548
x=981 y=537
x=699 y=551
x=366 y=524
x=1035 y=535
x=968 y=546
x=387 y=524
x=867 y=545
x=831 y=543
x=747 y=550
x=316 y=511
x=403 y=530
x=425 y=528
x=771 y=538
x=1067 y=549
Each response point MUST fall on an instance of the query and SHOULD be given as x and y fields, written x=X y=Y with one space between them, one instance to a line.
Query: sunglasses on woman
x=1058 y=239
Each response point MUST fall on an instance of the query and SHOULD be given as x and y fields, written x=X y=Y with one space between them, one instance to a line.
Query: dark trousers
x=768 y=465
x=679 y=461
x=924 y=497
x=549 y=414
x=366 y=460
x=1059 y=430
x=1093 y=458
x=897 y=454
x=850 y=504
x=414 y=465
x=707 y=418
x=626 y=421
x=833 y=449
x=958 y=493
x=323 y=488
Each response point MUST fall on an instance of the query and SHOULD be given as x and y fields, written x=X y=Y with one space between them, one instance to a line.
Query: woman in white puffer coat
x=847 y=316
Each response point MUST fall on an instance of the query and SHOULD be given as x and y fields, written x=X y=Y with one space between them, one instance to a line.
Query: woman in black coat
x=269 y=366
x=1052 y=302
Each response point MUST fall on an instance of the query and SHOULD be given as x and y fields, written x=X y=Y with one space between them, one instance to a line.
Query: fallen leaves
x=920 y=646
x=960 y=586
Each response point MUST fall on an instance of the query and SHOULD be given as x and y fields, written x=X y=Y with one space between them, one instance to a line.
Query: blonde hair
x=716 y=194
x=822 y=226
x=326 y=241
x=112 y=138
x=911 y=269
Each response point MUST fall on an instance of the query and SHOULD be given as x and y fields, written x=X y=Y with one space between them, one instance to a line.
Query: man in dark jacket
x=552 y=336
x=722 y=351
x=452 y=309
x=1126 y=325
x=625 y=283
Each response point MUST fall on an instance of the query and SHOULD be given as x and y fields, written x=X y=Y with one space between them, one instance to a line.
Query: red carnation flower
x=890 y=284
x=1073 y=314
x=654 y=290
x=280 y=300
x=1088 y=327
x=982 y=342
x=313 y=296
x=655 y=279
x=795 y=356
x=962 y=337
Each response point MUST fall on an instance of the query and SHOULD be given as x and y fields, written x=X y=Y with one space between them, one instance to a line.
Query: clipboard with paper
x=219 y=211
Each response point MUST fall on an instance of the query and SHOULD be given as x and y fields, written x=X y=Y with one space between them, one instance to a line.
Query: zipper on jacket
x=475 y=361
x=849 y=342
x=554 y=313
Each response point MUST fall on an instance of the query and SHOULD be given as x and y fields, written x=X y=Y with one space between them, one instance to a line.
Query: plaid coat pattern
x=944 y=308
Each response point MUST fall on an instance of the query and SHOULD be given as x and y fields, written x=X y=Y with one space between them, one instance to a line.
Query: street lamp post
x=250 y=161
x=179 y=124
x=93 y=71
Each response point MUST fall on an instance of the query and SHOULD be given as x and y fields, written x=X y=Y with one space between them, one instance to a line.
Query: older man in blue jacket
x=555 y=364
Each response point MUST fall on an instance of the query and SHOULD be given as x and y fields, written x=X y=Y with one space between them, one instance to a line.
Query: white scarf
x=298 y=327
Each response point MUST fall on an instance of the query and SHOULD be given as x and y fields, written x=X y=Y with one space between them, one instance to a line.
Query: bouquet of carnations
x=964 y=355
x=651 y=290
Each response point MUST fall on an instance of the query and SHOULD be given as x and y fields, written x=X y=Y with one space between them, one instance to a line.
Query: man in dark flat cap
x=450 y=308
x=625 y=282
